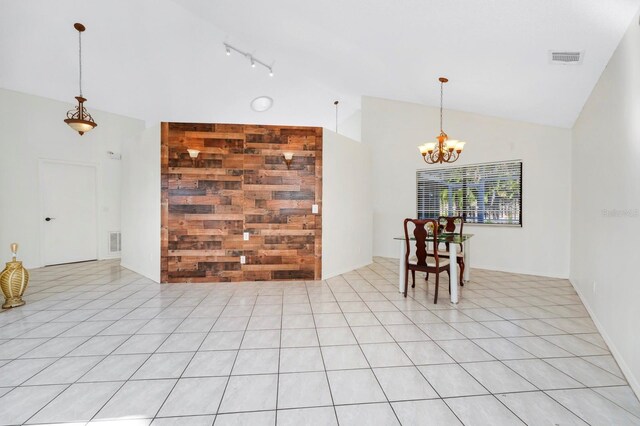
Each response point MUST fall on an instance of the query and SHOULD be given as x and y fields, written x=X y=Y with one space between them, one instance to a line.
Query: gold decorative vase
x=13 y=281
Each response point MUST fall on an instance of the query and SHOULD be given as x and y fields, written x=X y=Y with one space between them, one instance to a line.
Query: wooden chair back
x=422 y=229
x=451 y=225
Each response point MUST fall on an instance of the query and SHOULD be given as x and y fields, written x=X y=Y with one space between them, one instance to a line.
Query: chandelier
x=445 y=150
x=79 y=119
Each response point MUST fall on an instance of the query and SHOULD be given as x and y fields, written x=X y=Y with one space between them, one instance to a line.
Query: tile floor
x=98 y=344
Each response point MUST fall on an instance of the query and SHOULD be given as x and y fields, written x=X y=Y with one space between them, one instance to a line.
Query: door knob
x=48 y=219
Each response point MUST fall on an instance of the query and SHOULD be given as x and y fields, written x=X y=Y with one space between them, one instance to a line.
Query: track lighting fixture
x=252 y=60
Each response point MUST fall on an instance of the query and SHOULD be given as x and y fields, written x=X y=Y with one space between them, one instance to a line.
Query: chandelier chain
x=441 y=100
x=80 y=60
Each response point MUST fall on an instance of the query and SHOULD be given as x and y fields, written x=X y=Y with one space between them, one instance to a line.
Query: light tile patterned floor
x=98 y=344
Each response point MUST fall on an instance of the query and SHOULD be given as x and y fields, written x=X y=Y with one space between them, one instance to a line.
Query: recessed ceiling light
x=261 y=103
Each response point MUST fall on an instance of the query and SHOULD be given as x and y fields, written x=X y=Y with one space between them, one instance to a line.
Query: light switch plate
x=245 y=236
x=314 y=209
x=243 y=260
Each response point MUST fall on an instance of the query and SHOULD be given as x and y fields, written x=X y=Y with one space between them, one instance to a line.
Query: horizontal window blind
x=489 y=193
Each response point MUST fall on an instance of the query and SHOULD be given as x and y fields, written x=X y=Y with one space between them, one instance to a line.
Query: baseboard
x=109 y=257
x=345 y=270
x=518 y=271
x=144 y=274
x=634 y=384
x=563 y=276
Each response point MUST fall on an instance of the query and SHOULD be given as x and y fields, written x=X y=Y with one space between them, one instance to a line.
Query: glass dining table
x=454 y=240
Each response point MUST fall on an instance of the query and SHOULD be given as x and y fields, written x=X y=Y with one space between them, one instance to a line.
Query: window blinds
x=489 y=193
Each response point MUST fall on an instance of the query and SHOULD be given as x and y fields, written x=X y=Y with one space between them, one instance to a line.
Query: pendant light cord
x=80 y=60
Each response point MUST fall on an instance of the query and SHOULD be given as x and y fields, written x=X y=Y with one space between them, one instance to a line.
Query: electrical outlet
x=245 y=236
x=314 y=209
x=243 y=260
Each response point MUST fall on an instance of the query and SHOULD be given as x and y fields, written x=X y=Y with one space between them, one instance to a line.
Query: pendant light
x=79 y=119
x=445 y=150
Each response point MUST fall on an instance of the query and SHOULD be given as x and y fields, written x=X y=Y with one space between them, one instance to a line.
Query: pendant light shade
x=78 y=118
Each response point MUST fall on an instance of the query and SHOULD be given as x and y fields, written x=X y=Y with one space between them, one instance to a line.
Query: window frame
x=507 y=225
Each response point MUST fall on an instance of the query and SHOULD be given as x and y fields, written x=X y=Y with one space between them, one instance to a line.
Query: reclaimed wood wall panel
x=240 y=183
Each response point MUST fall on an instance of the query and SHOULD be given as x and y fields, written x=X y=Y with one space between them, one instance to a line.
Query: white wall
x=346 y=207
x=351 y=126
x=32 y=128
x=394 y=129
x=605 y=204
x=347 y=222
x=141 y=194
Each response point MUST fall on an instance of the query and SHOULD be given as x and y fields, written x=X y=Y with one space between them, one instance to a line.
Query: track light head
x=254 y=62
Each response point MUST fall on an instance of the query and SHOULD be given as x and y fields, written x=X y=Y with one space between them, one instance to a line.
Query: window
x=489 y=193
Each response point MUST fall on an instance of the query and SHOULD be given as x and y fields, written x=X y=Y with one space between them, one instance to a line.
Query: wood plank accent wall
x=240 y=183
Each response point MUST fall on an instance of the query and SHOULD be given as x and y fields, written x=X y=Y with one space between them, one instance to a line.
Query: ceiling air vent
x=566 y=57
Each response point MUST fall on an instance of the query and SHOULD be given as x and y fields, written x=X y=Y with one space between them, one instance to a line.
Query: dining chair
x=453 y=225
x=423 y=261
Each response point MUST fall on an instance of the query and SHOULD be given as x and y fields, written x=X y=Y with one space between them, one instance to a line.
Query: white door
x=69 y=214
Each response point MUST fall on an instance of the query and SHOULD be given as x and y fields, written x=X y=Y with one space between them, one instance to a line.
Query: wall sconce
x=288 y=158
x=193 y=153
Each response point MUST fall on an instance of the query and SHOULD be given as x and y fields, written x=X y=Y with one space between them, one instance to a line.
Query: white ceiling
x=164 y=60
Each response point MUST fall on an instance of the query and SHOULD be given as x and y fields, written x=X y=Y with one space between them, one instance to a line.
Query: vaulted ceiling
x=164 y=59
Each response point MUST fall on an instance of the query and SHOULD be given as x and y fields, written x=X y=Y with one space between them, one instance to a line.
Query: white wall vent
x=115 y=242
x=566 y=57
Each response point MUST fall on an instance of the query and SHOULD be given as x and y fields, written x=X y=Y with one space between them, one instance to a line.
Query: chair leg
x=461 y=263
x=406 y=283
x=426 y=277
x=435 y=298
x=413 y=276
